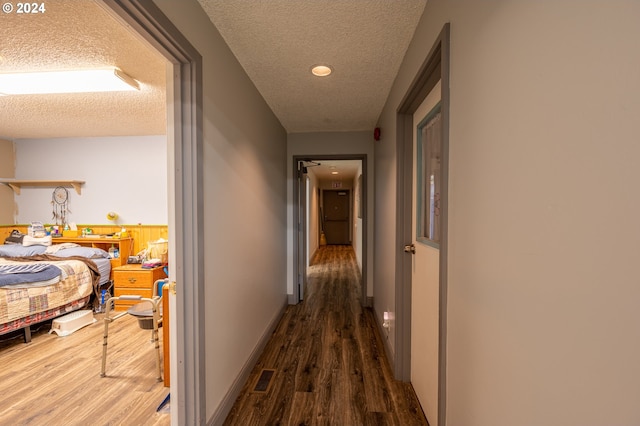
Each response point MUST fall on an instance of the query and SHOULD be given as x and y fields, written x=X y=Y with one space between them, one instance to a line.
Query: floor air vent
x=262 y=385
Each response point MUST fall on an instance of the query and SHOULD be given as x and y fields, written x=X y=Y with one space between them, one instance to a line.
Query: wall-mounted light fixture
x=71 y=81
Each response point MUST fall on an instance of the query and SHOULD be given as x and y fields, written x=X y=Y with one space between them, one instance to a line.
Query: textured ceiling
x=278 y=41
x=79 y=34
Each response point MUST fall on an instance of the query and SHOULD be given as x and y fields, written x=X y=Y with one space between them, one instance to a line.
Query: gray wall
x=543 y=239
x=244 y=206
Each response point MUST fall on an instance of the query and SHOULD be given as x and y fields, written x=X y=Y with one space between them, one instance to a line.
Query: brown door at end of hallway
x=336 y=216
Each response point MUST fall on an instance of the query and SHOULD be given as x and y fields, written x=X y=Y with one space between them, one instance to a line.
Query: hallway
x=328 y=360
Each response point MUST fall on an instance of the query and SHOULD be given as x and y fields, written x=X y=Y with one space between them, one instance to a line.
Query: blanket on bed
x=95 y=272
x=28 y=273
x=79 y=280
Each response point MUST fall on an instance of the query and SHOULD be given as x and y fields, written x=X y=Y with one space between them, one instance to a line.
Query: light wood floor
x=329 y=362
x=56 y=380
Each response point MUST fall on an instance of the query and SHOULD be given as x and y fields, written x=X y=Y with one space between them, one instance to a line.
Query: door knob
x=410 y=248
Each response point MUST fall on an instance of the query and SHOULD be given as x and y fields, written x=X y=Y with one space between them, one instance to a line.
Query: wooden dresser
x=134 y=280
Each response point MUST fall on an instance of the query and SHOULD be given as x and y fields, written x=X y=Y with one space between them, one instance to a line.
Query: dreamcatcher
x=60 y=202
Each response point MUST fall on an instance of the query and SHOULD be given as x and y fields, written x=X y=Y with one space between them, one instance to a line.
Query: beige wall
x=543 y=239
x=7 y=170
x=244 y=206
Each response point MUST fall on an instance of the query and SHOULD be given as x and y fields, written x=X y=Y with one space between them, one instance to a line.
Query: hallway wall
x=329 y=143
x=543 y=234
x=244 y=207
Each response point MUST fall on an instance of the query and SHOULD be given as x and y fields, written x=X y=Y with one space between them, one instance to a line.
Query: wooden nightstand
x=134 y=280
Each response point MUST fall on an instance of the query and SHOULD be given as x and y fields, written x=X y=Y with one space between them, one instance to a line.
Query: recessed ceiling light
x=321 y=70
x=72 y=81
x=334 y=173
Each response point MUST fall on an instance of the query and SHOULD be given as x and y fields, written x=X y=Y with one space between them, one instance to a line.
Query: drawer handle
x=132 y=280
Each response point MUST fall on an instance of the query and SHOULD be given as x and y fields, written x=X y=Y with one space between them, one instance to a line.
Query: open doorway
x=185 y=210
x=338 y=184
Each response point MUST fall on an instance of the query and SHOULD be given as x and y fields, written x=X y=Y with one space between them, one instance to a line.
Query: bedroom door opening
x=185 y=210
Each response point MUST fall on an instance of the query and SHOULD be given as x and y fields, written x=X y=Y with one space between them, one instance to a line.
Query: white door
x=425 y=268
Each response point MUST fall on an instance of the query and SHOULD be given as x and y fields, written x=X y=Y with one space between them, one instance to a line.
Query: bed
x=28 y=296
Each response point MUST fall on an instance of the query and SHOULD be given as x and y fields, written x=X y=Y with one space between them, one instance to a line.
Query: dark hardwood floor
x=328 y=360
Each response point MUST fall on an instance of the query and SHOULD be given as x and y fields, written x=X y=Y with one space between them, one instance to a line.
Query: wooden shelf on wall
x=17 y=184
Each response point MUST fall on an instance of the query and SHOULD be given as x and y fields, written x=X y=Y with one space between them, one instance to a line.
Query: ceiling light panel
x=73 y=81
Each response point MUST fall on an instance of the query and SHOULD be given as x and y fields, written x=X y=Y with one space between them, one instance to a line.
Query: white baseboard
x=220 y=415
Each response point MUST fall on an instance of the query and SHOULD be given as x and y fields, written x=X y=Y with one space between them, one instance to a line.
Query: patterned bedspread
x=78 y=283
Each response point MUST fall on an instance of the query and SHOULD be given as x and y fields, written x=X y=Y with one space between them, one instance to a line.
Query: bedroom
x=114 y=143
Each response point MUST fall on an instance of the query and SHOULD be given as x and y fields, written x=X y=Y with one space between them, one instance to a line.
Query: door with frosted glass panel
x=427 y=178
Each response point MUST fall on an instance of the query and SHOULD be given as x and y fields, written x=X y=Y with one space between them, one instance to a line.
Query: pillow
x=17 y=250
x=54 y=248
x=88 y=252
x=36 y=241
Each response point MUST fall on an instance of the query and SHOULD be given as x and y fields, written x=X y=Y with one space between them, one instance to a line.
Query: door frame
x=300 y=225
x=186 y=212
x=434 y=68
x=301 y=232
